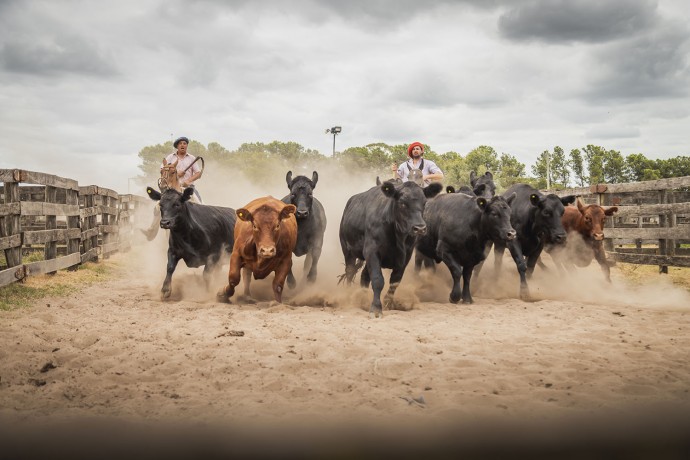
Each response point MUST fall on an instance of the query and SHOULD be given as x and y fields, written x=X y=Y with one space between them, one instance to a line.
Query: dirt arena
x=587 y=366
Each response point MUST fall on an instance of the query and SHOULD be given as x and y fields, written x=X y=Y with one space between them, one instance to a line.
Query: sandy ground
x=586 y=366
x=117 y=351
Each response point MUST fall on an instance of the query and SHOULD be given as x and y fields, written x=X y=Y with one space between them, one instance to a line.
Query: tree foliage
x=588 y=165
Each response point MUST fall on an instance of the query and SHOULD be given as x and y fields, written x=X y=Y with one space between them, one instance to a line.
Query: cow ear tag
x=532 y=196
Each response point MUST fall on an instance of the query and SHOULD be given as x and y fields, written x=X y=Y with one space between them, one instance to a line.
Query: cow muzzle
x=419 y=229
x=510 y=236
x=558 y=238
x=598 y=236
x=302 y=213
x=266 y=252
x=165 y=224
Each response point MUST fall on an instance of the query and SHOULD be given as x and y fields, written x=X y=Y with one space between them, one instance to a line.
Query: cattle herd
x=380 y=228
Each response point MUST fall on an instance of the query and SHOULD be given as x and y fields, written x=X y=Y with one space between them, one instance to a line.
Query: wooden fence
x=652 y=225
x=69 y=224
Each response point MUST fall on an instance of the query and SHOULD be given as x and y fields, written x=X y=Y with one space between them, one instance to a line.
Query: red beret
x=413 y=145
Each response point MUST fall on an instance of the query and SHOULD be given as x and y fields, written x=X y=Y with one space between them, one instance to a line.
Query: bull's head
x=550 y=209
x=483 y=185
x=408 y=204
x=266 y=222
x=301 y=192
x=593 y=218
x=495 y=219
x=172 y=204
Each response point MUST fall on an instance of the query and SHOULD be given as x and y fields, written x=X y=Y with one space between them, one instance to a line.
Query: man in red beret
x=430 y=171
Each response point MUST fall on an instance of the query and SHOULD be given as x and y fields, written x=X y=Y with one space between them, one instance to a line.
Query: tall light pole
x=334 y=130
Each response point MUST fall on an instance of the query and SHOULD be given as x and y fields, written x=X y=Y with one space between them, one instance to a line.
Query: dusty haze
x=113 y=371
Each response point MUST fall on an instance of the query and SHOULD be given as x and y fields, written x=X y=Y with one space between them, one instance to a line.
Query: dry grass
x=23 y=294
x=679 y=276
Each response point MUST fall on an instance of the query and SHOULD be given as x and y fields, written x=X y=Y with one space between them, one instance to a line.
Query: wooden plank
x=10 y=209
x=88 y=190
x=89 y=212
x=39 y=208
x=91 y=254
x=48 y=266
x=33 y=177
x=90 y=233
x=10 y=175
x=109 y=210
x=645 y=259
x=12 y=241
x=12 y=274
x=109 y=248
x=45 y=236
x=653 y=209
x=659 y=233
x=109 y=228
x=651 y=185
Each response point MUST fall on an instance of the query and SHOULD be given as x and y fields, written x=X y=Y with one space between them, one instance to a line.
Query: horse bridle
x=163 y=184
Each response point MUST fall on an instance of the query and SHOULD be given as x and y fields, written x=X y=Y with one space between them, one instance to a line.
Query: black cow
x=479 y=186
x=537 y=220
x=459 y=227
x=311 y=223
x=380 y=226
x=199 y=234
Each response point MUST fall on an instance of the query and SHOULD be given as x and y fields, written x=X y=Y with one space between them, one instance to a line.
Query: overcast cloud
x=85 y=85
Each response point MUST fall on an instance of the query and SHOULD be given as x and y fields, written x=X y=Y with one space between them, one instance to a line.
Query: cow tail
x=358 y=265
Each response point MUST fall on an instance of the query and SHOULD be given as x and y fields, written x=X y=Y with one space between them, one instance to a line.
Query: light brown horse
x=169 y=179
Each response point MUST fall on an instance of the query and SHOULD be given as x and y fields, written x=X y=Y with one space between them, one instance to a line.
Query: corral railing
x=652 y=225
x=63 y=222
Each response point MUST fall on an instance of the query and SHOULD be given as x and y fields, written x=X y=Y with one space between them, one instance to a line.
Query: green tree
x=635 y=166
x=482 y=159
x=614 y=167
x=510 y=172
x=151 y=160
x=594 y=155
x=540 y=169
x=577 y=166
x=560 y=174
x=454 y=167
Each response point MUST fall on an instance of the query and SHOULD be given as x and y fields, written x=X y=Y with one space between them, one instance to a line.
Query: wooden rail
x=73 y=224
x=651 y=213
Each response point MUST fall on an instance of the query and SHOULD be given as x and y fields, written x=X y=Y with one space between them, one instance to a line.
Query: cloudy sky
x=85 y=85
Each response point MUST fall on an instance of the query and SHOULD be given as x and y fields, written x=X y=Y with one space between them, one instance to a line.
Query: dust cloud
x=231 y=188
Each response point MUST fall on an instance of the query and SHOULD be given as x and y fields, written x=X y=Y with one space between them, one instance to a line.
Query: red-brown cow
x=265 y=236
x=585 y=227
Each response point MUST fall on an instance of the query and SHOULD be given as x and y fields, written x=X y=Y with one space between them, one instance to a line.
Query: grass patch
x=679 y=276
x=63 y=283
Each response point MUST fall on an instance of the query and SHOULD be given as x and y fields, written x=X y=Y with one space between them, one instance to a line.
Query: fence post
x=50 y=250
x=73 y=244
x=13 y=256
x=663 y=222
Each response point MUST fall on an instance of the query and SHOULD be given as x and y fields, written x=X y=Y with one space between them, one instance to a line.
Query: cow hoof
x=454 y=299
x=245 y=299
x=165 y=295
x=467 y=301
x=375 y=314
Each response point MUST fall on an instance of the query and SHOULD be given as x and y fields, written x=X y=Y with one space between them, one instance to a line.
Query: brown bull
x=585 y=227
x=265 y=236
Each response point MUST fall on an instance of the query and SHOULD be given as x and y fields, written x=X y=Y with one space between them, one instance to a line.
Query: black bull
x=459 y=227
x=311 y=222
x=380 y=226
x=199 y=234
x=537 y=220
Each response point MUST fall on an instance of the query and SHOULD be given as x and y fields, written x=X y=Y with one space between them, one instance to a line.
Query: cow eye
x=310 y=195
